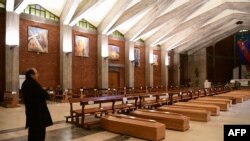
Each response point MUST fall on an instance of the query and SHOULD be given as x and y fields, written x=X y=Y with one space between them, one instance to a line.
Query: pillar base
x=10 y=100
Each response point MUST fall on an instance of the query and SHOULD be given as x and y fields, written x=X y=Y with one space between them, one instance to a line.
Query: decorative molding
x=114 y=69
x=117 y=65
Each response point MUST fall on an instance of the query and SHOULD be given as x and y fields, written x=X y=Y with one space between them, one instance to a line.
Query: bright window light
x=131 y=54
x=10 y=5
x=67 y=39
x=105 y=51
x=12 y=29
x=167 y=59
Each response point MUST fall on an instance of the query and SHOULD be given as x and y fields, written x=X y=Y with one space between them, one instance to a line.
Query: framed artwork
x=37 y=39
x=155 y=59
x=81 y=46
x=114 y=52
x=137 y=57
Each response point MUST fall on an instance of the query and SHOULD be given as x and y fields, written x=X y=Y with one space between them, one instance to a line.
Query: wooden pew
x=194 y=114
x=112 y=108
x=220 y=90
x=223 y=105
x=194 y=94
x=175 y=96
x=148 y=100
x=100 y=110
x=163 y=99
x=75 y=114
x=215 y=110
x=185 y=95
x=210 y=91
x=128 y=103
x=133 y=126
x=202 y=93
x=172 y=121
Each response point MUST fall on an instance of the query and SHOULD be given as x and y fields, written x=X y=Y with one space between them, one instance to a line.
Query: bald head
x=31 y=73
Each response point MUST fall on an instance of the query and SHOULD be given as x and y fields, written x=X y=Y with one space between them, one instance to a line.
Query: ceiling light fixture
x=239 y=22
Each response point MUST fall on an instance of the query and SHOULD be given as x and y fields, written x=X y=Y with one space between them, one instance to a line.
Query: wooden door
x=114 y=79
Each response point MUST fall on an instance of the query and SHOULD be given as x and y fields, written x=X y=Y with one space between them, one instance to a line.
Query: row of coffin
x=151 y=124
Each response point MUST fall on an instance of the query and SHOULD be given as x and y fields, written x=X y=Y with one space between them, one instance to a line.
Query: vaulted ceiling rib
x=183 y=25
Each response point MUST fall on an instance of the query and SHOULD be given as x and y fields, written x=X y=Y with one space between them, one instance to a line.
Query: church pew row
x=134 y=126
x=215 y=110
x=223 y=105
x=171 y=120
x=194 y=114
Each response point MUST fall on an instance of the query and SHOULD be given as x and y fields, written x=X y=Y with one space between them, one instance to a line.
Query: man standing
x=37 y=113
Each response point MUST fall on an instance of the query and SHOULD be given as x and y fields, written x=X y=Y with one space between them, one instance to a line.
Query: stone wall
x=47 y=64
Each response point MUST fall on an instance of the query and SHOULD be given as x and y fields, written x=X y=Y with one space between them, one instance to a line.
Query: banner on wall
x=243 y=48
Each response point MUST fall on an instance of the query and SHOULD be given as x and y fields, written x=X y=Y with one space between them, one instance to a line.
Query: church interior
x=127 y=70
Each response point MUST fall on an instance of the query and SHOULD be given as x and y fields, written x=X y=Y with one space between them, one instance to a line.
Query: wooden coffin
x=244 y=93
x=239 y=98
x=212 y=98
x=215 y=110
x=223 y=105
x=172 y=121
x=194 y=114
x=133 y=126
x=233 y=99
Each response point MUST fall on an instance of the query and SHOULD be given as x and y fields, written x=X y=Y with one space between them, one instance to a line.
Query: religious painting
x=243 y=48
x=137 y=57
x=81 y=46
x=155 y=59
x=114 y=52
x=37 y=39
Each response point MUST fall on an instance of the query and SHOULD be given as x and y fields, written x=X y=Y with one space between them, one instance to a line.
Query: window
x=118 y=34
x=39 y=11
x=2 y=3
x=86 y=25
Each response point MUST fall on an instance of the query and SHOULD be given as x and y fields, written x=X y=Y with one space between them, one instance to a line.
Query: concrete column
x=102 y=61
x=129 y=63
x=12 y=68
x=197 y=68
x=164 y=68
x=149 y=66
x=66 y=56
x=12 y=52
x=177 y=68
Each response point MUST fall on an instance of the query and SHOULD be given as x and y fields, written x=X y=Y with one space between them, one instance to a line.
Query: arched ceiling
x=183 y=25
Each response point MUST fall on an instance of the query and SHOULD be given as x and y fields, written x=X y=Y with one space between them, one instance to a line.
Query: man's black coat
x=37 y=113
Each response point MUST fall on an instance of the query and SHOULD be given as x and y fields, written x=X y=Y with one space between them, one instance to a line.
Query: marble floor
x=12 y=122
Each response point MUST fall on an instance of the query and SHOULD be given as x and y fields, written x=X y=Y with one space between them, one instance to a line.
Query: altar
x=243 y=82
